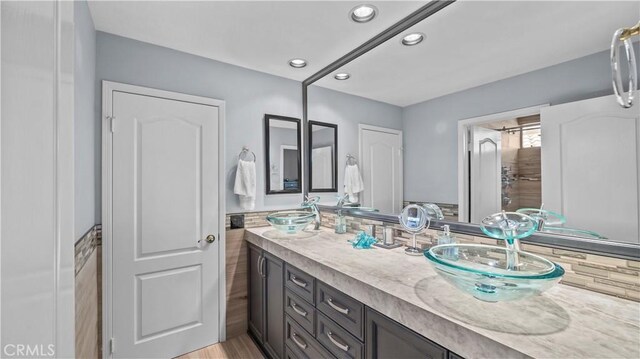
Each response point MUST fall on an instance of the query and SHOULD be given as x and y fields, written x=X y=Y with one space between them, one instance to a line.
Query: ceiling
x=471 y=43
x=259 y=35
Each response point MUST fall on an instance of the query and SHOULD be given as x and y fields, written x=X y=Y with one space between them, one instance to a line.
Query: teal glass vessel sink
x=290 y=222
x=362 y=209
x=508 y=226
x=542 y=216
x=492 y=273
x=583 y=233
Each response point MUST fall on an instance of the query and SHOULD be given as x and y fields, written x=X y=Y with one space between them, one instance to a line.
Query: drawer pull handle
x=337 y=307
x=344 y=347
x=299 y=342
x=298 y=282
x=294 y=306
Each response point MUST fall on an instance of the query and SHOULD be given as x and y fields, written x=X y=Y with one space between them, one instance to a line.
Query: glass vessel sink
x=362 y=209
x=542 y=216
x=508 y=226
x=573 y=232
x=290 y=222
x=484 y=272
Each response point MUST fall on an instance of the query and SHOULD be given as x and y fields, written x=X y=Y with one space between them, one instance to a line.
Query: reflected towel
x=245 y=186
x=353 y=183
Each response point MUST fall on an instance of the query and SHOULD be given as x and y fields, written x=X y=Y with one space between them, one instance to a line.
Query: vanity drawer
x=337 y=340
x=299 y=282
x=344 y=310
x=302 y=345
x=300 y=311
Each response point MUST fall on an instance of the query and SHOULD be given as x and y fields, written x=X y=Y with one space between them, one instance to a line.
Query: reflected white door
x=485 y=181
x=381 y=160
x=590 y=163
x=165 y=199
x=322 y=167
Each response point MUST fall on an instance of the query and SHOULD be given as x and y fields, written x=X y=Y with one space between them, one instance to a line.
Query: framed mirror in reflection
x=491 y=121
x=323 y=164
x=283 y=154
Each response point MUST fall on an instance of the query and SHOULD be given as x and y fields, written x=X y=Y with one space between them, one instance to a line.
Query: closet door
x=37 y=184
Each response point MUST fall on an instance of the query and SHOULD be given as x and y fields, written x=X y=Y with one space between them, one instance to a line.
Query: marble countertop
x=564 y=322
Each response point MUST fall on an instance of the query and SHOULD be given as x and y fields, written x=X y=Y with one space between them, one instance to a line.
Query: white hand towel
x=245 y=186
x=353 y=183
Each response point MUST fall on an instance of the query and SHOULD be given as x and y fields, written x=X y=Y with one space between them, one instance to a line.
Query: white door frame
x=463 y=149
x=364 y=127
x=108 y=88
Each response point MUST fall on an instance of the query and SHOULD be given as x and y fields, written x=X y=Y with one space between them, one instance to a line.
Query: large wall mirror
x=323 y=164
x=283 y=154
x=482 y=111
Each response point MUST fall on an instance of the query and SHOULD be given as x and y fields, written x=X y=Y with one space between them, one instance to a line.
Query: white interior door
x=485 y=182
x=322 y=167
x=165 y=284
x=590 y=162
x=381 y=161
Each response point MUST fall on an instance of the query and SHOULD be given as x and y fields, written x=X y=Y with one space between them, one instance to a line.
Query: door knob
x=210 y=239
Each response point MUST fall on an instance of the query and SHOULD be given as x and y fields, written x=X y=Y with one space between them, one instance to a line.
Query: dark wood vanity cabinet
x=389 y=339
x=256 y=293
x=266 y=301
x=292 y=315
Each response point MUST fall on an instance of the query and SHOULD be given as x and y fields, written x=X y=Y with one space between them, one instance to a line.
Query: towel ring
x=245 y=151
x=351 y=161
x=623 y=36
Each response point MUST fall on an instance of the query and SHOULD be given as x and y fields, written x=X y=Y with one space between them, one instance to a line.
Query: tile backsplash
x=85 y=246
x=607 y=275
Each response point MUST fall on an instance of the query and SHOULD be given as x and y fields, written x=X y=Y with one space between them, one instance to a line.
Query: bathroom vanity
x=315 y=296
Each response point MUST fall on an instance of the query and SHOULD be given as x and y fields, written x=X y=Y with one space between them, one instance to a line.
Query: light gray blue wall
x=347 y=111
x=248 y=95
x=430 y=128
x=86 y=129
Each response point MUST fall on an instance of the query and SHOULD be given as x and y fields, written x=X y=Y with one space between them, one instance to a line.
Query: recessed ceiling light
x=297 y=63
x=341 y=76
x=412 y=39
x=363 y=13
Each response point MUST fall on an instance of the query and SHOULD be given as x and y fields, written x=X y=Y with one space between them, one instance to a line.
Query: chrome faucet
x=341 y=200
x=312 y=203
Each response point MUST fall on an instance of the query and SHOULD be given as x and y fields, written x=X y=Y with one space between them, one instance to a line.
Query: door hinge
x=112 y=123
x=112 y=345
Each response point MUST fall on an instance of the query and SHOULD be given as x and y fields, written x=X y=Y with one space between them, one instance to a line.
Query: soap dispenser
x=445 y=237
x=341 y=223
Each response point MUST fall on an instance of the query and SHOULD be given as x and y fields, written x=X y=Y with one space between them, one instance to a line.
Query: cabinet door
x=274 y=309
x=387 y=339
x=256 y=293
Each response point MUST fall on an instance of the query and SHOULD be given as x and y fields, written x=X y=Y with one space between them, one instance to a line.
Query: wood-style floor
x=240 y=347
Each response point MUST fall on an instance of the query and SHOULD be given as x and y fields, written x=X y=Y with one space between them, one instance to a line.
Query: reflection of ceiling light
x=341 y=76
x=363 y=13
x=412 y=39
x=297 y=63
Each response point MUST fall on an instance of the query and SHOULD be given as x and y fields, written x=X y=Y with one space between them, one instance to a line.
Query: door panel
x=590 y=163
x=322 y=167
x=381 y=170
x=179 y=289
x=485 y=182
x=165 y=181
x=169 y=157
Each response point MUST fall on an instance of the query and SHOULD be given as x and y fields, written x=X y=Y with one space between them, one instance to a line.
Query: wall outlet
x=237 y=221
